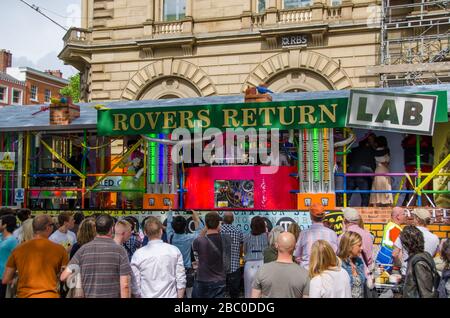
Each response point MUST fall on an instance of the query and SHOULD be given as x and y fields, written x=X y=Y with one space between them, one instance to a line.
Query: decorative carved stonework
x=147 y=53
x=272 y=43
x=317 y=39
x=187 y=49
x=85 y=80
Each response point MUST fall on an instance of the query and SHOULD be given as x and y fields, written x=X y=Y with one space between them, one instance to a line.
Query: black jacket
x=361 y=158
x=421 y=277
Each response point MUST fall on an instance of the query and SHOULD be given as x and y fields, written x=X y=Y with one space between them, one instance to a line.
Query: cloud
x=34 y=40
x=49 y=61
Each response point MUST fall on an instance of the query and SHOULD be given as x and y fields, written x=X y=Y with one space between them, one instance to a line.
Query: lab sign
x=392 y=112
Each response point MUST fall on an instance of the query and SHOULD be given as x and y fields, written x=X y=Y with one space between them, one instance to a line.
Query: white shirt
x=331 y=284
x=158 y=270
x=65 y=239
x=18 y=233
x=431 y=246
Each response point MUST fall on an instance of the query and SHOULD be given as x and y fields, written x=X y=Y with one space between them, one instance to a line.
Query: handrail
x=77 y=34
x=295 y=15
x=172 y=27
x=392 y=174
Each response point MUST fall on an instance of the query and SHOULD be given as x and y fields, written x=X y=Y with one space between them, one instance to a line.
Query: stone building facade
x=150 y=49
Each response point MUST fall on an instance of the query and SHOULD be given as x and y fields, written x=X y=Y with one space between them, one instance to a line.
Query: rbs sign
x=392 y=112
x=293 y=40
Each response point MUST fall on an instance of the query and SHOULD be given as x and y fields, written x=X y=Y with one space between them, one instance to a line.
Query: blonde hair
x=153 y=227
x=86 y=231
x=295 y=229
x=361 y=223
x=125 y=224
x=322 y=258
x=273 y=235
x=27 y=230
x=348 y=240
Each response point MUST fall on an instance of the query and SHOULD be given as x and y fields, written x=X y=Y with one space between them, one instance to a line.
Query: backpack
x=442 y=290
x=226 y=256
x=436 y=278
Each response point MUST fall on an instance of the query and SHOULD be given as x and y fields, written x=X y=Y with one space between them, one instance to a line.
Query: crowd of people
x=101 y=257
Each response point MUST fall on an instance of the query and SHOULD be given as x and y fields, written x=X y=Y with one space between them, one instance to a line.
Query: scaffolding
x=415 y=42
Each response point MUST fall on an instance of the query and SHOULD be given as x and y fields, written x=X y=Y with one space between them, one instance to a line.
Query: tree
x=73 y=89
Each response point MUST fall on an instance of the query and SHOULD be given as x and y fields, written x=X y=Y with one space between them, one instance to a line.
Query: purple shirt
x=367 y=241
x=317 y=231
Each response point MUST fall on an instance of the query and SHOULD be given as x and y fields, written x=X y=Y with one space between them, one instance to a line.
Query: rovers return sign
x=376 y=110
x=320 y=113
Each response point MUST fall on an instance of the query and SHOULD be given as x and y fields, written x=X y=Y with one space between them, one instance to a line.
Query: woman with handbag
x=254 y=245
x=350 y=248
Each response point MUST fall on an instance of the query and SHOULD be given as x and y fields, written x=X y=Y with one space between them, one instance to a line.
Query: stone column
x=271 y=4
x=84 y=14
x=317 y=10
x=189 y=5
x=188 y=23
x=347 y=10
x=246 y=20
x=271 y=12
x=150 y=11
x=158 y=10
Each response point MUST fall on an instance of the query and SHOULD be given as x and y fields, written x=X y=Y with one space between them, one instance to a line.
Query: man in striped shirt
x=237 y=238
x=105 y=268
x=317 y=231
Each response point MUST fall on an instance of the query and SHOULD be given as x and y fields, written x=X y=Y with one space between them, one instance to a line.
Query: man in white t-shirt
x=22 y=215
x=63 y=235
x=422 y=218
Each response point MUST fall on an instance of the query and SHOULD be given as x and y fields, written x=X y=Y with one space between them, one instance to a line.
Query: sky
x=33 y=40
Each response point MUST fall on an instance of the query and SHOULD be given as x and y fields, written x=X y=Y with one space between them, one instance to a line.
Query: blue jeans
x=208 y=289
x=362 y=183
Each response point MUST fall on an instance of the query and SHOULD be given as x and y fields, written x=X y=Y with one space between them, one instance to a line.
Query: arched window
x=291 y=4
x=174 y=10
x=169 y=87
x=298 y=80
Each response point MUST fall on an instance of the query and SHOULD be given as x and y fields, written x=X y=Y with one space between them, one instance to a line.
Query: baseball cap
x=351 y=214
x=317 y=210
x=422 y=214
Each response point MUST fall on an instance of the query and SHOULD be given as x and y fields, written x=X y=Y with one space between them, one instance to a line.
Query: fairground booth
x=259 y=154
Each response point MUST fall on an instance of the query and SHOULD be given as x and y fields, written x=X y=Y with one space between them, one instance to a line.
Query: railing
x=333 y=13
x=295 y=16
x=396 y=192
x=258 y=21
x=77 y=35
x=168 y=28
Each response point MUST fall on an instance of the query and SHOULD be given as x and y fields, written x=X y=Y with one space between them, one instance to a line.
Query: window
x=47 y=95
x=16 y=96
x=174 y=10
x=3 y=94
x=290 y=4
x=335 y=3
x=261 y=6
x=34 y=91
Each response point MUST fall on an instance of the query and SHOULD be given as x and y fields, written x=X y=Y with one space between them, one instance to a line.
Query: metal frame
x=418 y=35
